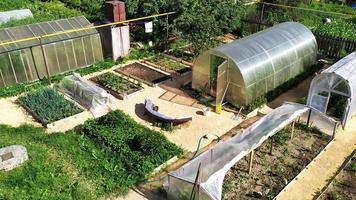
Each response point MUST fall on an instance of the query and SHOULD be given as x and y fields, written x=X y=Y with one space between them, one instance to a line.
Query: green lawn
x=107 y=156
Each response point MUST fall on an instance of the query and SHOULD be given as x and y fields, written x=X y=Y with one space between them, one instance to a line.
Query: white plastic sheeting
x=340 y=78
x=14 y=15
x=216 y=162
x=86 y=93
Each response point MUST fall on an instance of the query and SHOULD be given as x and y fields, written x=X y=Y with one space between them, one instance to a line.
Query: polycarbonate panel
x=266 y=59
x=18 y=66
x=7 y=70
x=62 y=56
x=79 y=52
x=69 y=48
x=97 y=48
x=5 y=37
x=29 y=64
x=89 y=51
x=39 y=61
x=51 y=56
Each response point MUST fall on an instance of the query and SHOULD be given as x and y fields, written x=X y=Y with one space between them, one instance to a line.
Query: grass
x=49 y=105
x=45 y=175
x=116 y=83
x=166 y=62
x=79 y=165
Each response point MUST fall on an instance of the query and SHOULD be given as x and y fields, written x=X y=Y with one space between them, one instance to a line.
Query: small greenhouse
x=24 y=61
x=247 y=68
x=334 y=90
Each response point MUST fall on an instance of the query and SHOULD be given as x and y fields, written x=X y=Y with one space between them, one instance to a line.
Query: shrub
x=48 y=105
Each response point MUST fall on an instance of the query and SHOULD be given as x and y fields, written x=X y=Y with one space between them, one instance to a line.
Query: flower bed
x=117 y=85
x=47 y=105
x=137 y=149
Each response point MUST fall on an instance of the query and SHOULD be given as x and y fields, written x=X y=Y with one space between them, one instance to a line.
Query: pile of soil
x=272 y=172
x=344 y=186
x=143 y=72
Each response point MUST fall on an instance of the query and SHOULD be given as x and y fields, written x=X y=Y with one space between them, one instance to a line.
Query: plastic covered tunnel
x=245 y=69
x=334 y=90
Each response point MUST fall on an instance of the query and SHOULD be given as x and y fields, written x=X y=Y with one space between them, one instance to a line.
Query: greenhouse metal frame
x=256 y=64
x=339 y=79
x=34 y=59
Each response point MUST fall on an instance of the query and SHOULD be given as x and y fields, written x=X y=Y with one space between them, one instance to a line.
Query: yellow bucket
x=218 y=108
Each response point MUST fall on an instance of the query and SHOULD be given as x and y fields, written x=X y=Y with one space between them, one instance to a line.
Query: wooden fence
x=334 y=47
x=328 y=46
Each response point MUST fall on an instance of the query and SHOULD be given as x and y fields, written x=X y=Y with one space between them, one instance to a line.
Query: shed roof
x=43 y=28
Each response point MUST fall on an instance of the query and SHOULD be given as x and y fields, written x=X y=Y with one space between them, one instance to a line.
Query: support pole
x=250 y=162
x=261 y=17
x=292 y=133
x=271 y=147
x=309 y=115
x=167 y=32
x=334 y=130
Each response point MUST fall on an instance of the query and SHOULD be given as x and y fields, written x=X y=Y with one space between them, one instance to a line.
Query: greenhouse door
x=215 y=63
x=222 y=83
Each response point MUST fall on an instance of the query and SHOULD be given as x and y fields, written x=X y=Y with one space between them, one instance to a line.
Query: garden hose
x=199 y=143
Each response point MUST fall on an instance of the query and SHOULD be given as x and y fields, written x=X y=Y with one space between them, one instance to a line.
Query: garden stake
x=292 y=133
x=250 y=162
x=271 y=147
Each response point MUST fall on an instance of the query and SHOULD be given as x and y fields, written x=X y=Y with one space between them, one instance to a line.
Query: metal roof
x=43 y=28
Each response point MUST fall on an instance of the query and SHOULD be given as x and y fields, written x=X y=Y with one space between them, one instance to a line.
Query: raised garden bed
x=47 y=105
x=343 y=187
x=118 y=86
x=272 y=172
x=143 y=73
x=166 y=64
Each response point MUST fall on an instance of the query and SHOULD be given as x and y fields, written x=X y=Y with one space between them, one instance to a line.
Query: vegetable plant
x=48 y=105
x=166 y=62
x=116 y=83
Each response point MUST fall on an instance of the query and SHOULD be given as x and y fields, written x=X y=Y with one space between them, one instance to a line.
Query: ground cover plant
x=271 y=172
x=116 y=83
x=166 y=63
x=48 y=105
x=182 y=54
x=137 y=148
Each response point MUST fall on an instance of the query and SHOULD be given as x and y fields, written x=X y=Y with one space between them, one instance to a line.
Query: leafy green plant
x=49 y=105
x=138 y=148
x=166 y=62
x=164 y=126
x=116 y=83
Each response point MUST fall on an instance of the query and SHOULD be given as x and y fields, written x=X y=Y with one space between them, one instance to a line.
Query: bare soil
x=344 y=186
x=272 y=172
x=143 y=72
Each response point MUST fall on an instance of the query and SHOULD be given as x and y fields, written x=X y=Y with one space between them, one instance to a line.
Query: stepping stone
x=12 y=156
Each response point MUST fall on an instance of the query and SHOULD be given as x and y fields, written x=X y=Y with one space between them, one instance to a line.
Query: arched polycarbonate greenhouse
x=245 y=69
x=26 y=61
x=334 y=90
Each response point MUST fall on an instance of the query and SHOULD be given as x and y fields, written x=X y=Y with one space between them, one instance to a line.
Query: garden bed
x=343 y=187
x=47 y=105
x=143 y=73
x=137 y=149
x=118 y=86
x=272 y=172
x=166 y=64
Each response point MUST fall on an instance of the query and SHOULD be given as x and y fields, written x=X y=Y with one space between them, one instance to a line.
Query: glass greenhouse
x=335 y=88
x=245 y=69
x=24 y=61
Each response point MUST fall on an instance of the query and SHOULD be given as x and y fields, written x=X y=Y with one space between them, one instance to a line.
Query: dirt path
x=316 y=176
